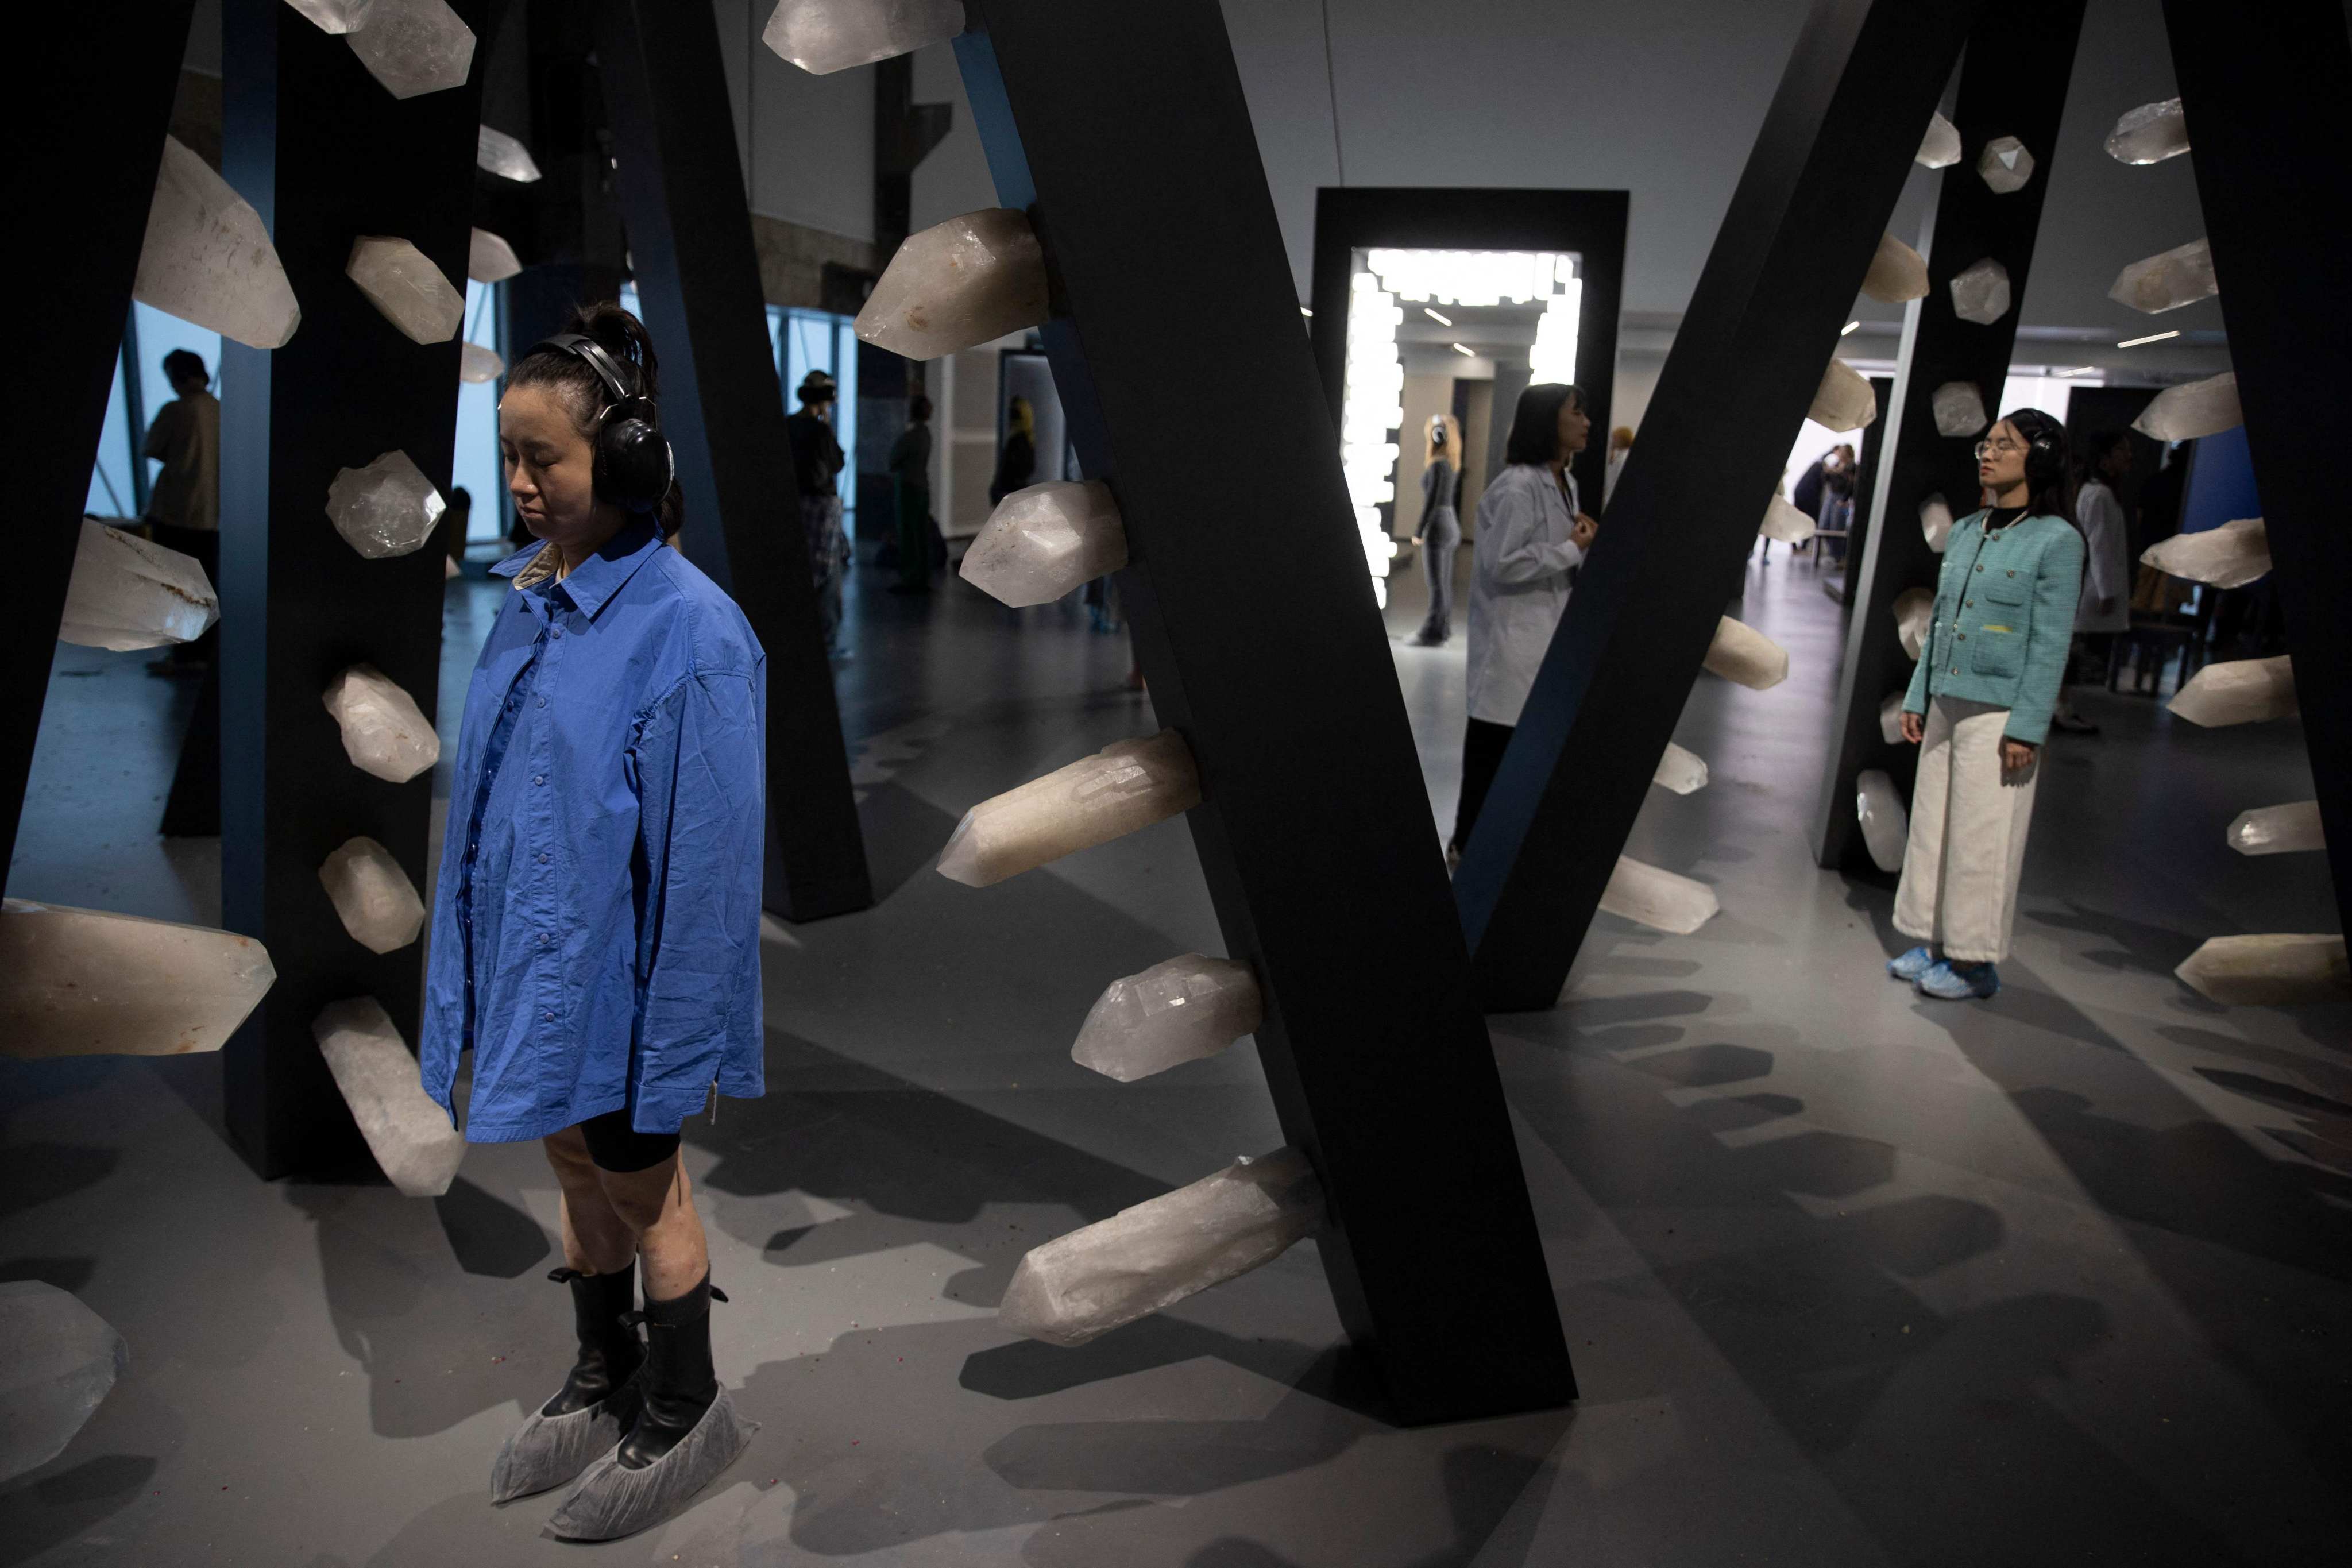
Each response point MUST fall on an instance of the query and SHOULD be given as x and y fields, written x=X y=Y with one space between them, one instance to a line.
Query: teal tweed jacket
x=2004 y=616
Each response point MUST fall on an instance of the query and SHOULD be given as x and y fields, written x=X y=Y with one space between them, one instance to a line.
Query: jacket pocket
x=1998 y=648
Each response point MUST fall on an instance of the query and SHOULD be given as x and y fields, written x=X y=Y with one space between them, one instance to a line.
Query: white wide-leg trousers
x=1968 y=836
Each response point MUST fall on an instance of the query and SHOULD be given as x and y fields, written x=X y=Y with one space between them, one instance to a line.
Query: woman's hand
x=1915 y=728
x=2016 y=759
x=1580 y=531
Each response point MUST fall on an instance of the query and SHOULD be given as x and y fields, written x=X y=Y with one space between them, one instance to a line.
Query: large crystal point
x=2230 y=556
x=403 y=284
x=1126 y=785
x=504 y=156
x=2278 y=829
x=1742 y=653
x=1940 y=147
x=2193 y=409
x=411 y=1137
x=127 y=593
x=2267 y=969
x=489 y=258
x=2150 y=134
x=384 y=732
x=388 y=508
x=1936 y=522
x=1896 y=273
x=1890 y=718
x=479 y=365
x=1786 y=523
x=62 y=1360
x=1657 y=898
x=1885 y=826
x=1144 y=1259
x=2167 y=280
x=823 y=35
x=373 y=896
x=1042 y=542
x=334 y=15
x=1844 y=401
x=207 y=259
x=87 y=983
x=1960 y=409
x=1681 y=771
x=1915 y=613
x=2005 y=165
x=1980 y=293
x=957 y=285
x=2238 y=692
x=1179 y=1011
x=413 y=47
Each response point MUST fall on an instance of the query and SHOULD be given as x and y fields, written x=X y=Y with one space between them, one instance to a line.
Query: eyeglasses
x=2003 y=446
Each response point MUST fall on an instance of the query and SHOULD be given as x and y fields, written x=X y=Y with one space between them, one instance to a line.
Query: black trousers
x=613 y=1145
x=1483 y=745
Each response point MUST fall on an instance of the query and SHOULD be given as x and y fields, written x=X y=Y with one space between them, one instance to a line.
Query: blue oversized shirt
x=597 y=926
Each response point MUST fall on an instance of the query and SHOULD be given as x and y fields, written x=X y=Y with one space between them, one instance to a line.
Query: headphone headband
x=595 y=356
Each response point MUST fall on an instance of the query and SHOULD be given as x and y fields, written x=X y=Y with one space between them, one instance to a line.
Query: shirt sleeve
x=1523 y=555
x=163 y=435
x=2057 y=589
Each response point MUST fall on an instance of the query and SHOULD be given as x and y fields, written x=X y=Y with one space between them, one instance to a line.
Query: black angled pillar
x=698 y=276
x=1763 y=326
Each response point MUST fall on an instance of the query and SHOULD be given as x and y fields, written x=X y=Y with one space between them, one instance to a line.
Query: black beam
x=1762 y=325
x=1123 y=133
x=2263 y=98
x=681 y=189
x=2013 y=84
x=92 y=125
x=325 y=154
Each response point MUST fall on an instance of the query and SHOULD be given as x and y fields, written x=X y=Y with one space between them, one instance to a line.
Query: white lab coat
x=2107 y=564
x=1518 y=585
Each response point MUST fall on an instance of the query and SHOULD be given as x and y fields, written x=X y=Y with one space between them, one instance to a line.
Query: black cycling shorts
x=613 y=1145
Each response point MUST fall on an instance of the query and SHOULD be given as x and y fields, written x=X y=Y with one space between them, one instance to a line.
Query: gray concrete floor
x=1851 y=1278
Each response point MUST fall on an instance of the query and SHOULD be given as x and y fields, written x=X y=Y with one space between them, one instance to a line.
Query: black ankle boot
x=602 y=1311
x=677 y=1386
x=590 y=1413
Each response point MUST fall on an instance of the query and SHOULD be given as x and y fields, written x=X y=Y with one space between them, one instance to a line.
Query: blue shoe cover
x=1980 y=981
x=1912 y=964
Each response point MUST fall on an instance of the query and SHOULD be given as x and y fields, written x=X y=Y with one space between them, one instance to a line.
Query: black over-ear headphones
x=2045 y=448
x=633 y=458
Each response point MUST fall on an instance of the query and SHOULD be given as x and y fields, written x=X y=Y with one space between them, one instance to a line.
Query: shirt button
x=543 y=856
x=549 y=1017
x=1964 y=636
x=539 y=778
x=559 y=631
x=544 y=939
x=542 y=702
x=1979 y=568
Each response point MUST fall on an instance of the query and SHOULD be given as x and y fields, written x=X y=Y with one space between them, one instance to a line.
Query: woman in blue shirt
x=1980 y=708
x=597 y=926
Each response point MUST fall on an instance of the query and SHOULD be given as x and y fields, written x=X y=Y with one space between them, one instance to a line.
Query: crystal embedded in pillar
x=1844 y=400
x=489 y=258
x=1890 y=718
x=1658 y=898
x=2278 y=829
x=127 y=593
x=1042 y=542
x=336 y=16
x=411 y=1138
x=504 y=156
x=2168 y=279
x=1785 y=523
x=1681 y=771
x=2150 y=134
x=2005 y=165
x=2192 y=410
x=1960 y=409
x=1915 y=614
x=1980 y=293
x=1740 y=653
x=957 y=285
x=413 y=47
x=406 y=288
x=386 y=508
x=2238 y=692
x=87 y=983
x=2230 y=556
x=1885 y=826
x=373 y=896
x=63 y=1360
x=2268 y=970
x=1940 y=147
x=824 y=35
x=1896 y=273
x=1147 y=1258
x=1180 y=1011
x=1936 y=522
x=478 y=366
x=207 y=259
x=384 y=732
x=1126 y=785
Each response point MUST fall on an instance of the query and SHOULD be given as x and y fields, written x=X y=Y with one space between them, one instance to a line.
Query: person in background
x=1980 y=708
x=1621 y=446
x=183 y=504
x=1531 y=539
x=1440 y=535
x=910 y=490
x=456 y=519
x=1016 y=466
x=1812 y=487
x=1836 y=510
x=817 y=462
x=2105 y=607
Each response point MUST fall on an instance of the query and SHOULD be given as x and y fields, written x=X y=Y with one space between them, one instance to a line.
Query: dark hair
x=619 y=334
x=919 y=407
x=184 y=362
x=2048 y=492
x=1534 y=428
x=2096 y=451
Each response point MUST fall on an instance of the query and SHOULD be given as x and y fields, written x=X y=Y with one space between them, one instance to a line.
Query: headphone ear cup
x=634 y=465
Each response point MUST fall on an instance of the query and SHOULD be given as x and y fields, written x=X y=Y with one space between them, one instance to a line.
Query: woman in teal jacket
x=1980 y=708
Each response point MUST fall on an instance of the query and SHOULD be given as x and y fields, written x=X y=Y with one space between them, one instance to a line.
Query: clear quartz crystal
x=489 y=258
x=373 y=897
x=1042 y=542
x=386 y=508
x=1147 y=1258
x=1960 y=409
x=2268 y=970
x=1845 y=400
x=1658 y=898
x=1980 y=293
x=2168 y=279
x=1742 y=653
x=504 y=156
x=1940 y=147
x=2150 y=134
x=2238 y=692
x=957 y=285
x=413 y=47
x=1890 y=718
x=1885 y=826
x=63 y=1360
x=127 y=593
x=1936 y=522
x=2005 y=165
x=1681 y=771
x=411 y=1138
x=207 y=259
x=2193 y=409
x=334 y=15
x=384 y=732
x=1179 y=1011
x=2278 y=829
x=1896 y=273
x=824 y=35
x=402 y=284
x=1786 y=523
x=2230 y=556
x=1126 y=785
x=479 y=365
x=87 y=983
x=1915 y=614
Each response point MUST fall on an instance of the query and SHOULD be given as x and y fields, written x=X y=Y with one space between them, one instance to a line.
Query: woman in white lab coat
x=1531 y=539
